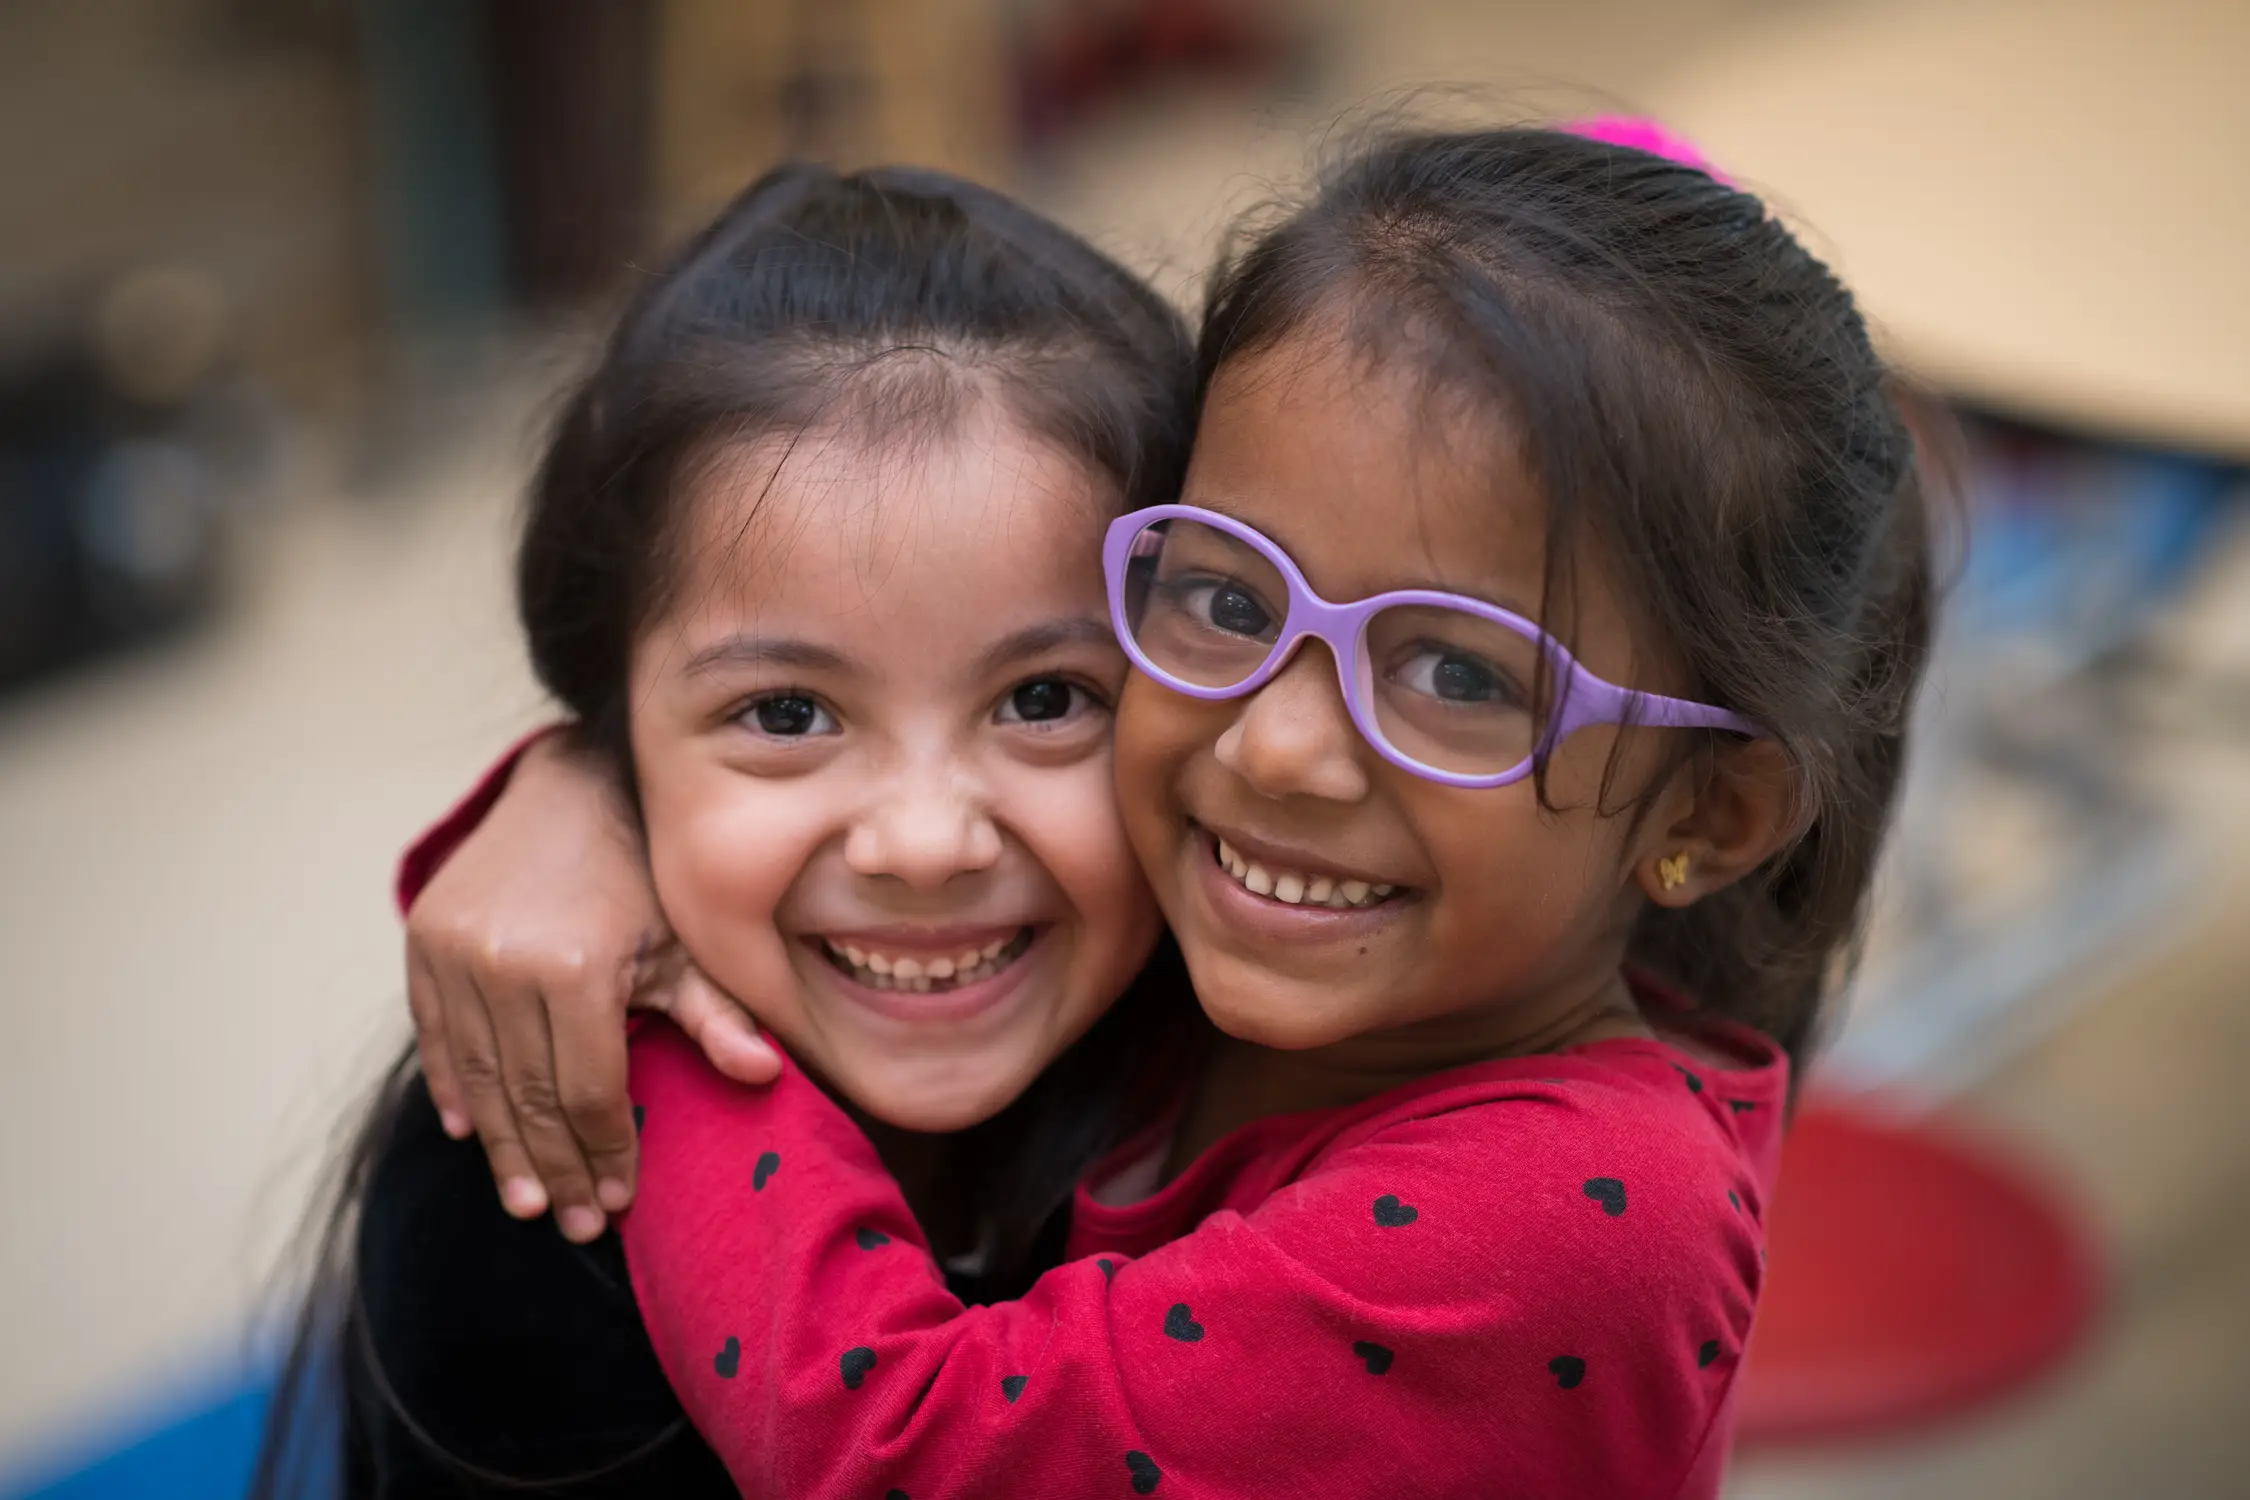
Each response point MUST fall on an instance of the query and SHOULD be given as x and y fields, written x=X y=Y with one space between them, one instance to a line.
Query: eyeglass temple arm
x=1679 y=713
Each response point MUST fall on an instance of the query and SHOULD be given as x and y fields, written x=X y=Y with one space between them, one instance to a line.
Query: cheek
x=722 y=856
x=719 y=852
x=1516 y=877
x=1158 y=733
x=1070 y=822
x=1594 y=770
x=1140 y=734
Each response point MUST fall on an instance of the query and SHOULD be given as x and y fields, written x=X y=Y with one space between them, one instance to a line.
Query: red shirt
x=1523 y=1278
x=1531 y=1277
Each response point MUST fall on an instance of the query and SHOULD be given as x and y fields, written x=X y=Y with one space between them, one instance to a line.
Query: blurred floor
x=2135 y=1107
x=198 y=959
x=199 y=964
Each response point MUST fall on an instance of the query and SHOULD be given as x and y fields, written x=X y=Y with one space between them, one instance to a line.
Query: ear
x=1727 y=816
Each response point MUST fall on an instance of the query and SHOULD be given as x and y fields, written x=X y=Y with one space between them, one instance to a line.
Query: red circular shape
x=1912 y=1276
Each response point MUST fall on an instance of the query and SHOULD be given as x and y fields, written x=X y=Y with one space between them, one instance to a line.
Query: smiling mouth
x=1297 y=887
x=922 y=974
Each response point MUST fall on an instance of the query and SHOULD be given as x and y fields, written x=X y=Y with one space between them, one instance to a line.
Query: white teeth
x=1300 y=890
x=882 y=972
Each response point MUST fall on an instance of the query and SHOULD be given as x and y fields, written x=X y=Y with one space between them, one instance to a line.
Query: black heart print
x=1568 y=1370
x=1109 y=1268
x=768 y=1164
x=1375 y=1356
x=1742 y=1106
x=640 y=1117
x=1733 y=1199
x=1011 y=1386
x=896 y=1495
x=1706 y=1354
x=1694 y=1084
x=1144 y=1471
x=871 y=1239
x=856 y=1363
x=1608 y=1192
x=1180 y=1324
x=728 y=1360
x=1392 y=1214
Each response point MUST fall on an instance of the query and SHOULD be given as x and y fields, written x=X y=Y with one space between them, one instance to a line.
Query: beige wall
x=169 y=130
x=927 y=76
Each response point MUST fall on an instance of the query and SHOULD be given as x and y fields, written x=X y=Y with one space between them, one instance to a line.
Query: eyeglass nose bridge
x=1342 y=628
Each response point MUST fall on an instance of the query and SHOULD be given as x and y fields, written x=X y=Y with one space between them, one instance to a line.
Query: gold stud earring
x=1672 y=870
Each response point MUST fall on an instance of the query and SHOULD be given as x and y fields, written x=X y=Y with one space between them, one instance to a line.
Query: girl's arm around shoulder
x=1496 y=1295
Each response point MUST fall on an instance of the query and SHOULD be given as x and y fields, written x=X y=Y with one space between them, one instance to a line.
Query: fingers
x=720 y=1026
x=423 y=1001
x=534 y=1096
x=590 y=1082
x=477 y=1070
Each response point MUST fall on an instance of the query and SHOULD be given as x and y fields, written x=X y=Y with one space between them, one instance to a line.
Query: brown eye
x=1464 y=681
x=789 y=716
x=1458 y=677
x=1235 y=610
x=1037 y=701
x=1043 y=700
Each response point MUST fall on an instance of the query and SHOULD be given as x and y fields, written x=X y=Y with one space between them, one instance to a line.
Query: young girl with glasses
x=1520 y=697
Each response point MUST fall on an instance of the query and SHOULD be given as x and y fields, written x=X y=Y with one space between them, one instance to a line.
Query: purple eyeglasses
x=1442 y=685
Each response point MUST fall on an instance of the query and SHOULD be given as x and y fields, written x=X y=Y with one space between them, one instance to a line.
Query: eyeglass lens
x=1448 y=689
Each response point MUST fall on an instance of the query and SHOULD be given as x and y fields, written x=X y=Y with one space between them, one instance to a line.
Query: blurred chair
x=1916 y=1276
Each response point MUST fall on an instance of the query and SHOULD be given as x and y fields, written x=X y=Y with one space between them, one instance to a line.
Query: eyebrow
x=809 y=656
x=1038 y=640
x=1499 y=599
x=760 y=650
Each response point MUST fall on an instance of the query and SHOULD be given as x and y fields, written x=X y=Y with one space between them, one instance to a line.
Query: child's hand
x=523 y=954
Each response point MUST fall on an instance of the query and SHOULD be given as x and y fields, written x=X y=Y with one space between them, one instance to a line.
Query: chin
x=1282 y=1034
x=932 y=1105
x=1281 y=1017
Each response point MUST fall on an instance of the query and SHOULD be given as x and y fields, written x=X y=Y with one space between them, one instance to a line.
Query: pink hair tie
x=1646 y=135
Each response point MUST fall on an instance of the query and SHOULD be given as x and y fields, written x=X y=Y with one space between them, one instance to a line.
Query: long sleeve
x=435 y=844
x=1530 y=1298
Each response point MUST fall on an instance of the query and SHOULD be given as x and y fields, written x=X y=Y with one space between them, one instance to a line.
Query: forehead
x=1369 y=473
x=930 y=533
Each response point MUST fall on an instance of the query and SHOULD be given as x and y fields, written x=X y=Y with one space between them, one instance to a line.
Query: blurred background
x=285 y=286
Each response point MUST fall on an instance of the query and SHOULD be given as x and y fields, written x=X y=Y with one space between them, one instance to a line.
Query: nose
x=929 y=825
x=1294 y=737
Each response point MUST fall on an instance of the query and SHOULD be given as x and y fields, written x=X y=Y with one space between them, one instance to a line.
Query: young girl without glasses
x=1530 y=647
x=813 y=561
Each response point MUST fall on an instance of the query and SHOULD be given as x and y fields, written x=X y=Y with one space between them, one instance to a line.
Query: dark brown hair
x=882 y=300
x=868 y=299
x=1700 y=402
x=871 y=299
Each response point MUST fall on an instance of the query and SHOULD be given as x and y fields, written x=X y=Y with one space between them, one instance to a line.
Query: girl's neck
x=1241 y=1081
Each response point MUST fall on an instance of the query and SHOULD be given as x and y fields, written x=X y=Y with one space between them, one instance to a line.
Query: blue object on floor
x=202 y=1447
